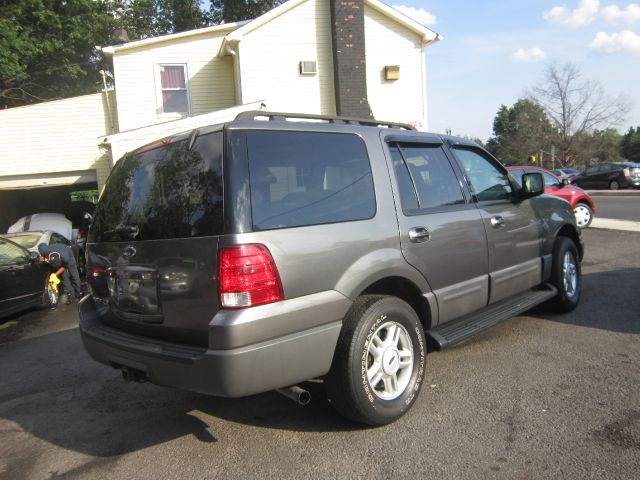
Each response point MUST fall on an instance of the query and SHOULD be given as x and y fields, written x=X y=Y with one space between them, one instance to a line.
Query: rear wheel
x=379 y=363
x=614 y=185
x=566 y=275
x=583 y=214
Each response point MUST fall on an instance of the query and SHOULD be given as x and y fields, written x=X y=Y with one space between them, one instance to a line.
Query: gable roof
x=428 y=35
x=111 y=50
x=240 y=29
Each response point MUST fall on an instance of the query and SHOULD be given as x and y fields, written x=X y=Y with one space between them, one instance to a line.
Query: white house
x=356 y=58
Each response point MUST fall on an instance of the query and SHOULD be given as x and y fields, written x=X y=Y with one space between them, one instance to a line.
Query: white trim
x=113 y=49
x=428 y=35
x=52 y=179
x=159 y=89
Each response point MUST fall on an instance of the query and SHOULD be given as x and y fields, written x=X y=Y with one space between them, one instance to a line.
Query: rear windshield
x=308 y=178
x=164 y=192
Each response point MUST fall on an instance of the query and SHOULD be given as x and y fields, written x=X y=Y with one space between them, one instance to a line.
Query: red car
x=582 y=204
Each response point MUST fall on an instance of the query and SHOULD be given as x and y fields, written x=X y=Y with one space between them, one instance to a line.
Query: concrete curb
x=612 y=224
x=614 y=193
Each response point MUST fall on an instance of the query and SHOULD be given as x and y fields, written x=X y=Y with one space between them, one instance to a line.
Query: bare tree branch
x=575 y=107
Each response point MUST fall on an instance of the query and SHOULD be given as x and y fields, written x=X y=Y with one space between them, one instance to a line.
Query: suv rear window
x=308 y=178
x=164 y=192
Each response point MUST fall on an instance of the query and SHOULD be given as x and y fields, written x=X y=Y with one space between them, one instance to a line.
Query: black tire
x=50 y=296
x=583 y=214
x=614 y=185
x=566 y=275
x=370 y=320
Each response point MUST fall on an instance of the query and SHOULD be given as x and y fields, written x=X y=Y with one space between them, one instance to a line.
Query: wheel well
x=568 y=231
x=405 y=290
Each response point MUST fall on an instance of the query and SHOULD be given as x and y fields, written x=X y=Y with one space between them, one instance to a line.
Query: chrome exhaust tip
x=295 y=393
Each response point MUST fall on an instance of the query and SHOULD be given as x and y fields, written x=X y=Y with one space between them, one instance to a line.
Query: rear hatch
x=153 y=242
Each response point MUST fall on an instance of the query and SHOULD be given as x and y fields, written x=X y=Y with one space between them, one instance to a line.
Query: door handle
x=419 y=234
x=497 y=221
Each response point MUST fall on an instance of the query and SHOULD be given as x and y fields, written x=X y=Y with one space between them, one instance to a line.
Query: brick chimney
x=349 y=61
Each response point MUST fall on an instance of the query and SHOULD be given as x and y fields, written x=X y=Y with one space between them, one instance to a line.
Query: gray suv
x=277 y=248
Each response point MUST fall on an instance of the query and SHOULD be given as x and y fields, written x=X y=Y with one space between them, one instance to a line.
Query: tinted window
x=487 y=181
x=163 y=192
x=549 y=180
x=591 y=170
x=307 y=178
x=426 y=172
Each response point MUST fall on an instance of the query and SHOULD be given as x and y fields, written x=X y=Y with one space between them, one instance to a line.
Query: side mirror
x=33 y=256
x=532 y=185
x=565 y=181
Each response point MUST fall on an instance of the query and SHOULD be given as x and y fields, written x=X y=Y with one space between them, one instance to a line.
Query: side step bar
x=461 y=329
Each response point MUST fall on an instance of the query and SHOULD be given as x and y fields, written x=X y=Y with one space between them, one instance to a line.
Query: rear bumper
x=228 y=367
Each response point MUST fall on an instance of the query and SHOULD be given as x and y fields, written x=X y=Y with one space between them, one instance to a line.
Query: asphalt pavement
x=539 y=396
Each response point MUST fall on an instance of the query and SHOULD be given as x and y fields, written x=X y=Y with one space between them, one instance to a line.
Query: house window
x=174 y=89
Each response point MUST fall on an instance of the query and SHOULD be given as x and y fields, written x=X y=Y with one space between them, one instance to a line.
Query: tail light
x=247 y=276
x=95 y=272
x=82 y=232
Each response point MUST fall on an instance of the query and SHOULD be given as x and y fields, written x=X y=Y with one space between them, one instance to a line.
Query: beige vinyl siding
x=270 y=57
x=389 y=43
x=55 y=137
x=211 y=80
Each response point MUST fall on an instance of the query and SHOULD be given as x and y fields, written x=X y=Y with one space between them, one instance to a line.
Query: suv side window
x=487 y=181
x=425 y=177
x=308 y=178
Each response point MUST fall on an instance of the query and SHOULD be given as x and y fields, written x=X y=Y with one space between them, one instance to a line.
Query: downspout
x=229 y=49
x=425 y=116
x=106 y=96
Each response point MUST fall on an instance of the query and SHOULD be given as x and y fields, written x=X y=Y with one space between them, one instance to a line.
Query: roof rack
x=283 y=117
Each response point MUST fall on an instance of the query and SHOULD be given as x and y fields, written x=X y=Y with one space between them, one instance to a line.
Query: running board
x=461 y=329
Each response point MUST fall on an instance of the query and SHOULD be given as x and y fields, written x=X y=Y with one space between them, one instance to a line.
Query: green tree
x=520 y=131
x=225 y=11
x=630 y=144
x=47 y=48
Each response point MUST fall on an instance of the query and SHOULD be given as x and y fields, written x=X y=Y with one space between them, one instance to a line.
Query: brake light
x=97 y=271
x=82 y=232
x=247 y=276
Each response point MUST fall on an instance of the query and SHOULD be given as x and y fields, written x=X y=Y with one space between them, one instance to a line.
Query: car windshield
x=26 y=241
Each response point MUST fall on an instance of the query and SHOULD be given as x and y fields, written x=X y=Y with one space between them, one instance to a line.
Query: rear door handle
x=497 y=221
x=419 y=234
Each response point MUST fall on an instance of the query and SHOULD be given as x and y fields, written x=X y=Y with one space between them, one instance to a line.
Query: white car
x=55 y=222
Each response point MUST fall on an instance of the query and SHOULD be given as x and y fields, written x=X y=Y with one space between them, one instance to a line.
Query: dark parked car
x=609 y=175
x=332 y=248
x=24 y=282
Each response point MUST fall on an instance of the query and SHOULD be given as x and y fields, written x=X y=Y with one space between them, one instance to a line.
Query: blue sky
x=493 y=50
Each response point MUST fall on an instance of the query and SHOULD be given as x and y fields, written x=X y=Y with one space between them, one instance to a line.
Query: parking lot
x=539 y=396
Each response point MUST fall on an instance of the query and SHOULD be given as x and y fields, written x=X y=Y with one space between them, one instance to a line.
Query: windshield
x=26 y=241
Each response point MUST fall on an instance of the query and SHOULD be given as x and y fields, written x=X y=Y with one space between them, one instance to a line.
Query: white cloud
x=578 y=17
x=529 y=55
x=617 y=42
x=420 y=15
x=617 y=15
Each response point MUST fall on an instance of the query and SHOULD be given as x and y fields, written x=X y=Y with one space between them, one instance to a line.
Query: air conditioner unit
x=308 y=67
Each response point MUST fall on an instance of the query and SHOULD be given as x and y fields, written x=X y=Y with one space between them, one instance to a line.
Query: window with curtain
x=174 y=88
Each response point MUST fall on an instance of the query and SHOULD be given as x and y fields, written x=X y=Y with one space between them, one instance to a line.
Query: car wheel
x=614 y=185
x=379 y=363
x=583 y=214
x=566 y=275
x=50 y=295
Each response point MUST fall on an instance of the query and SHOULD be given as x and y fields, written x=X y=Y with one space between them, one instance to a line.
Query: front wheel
x=50 y=295
x=379 y=364
x=566 y=275
x=614 y=185
x=583 y=214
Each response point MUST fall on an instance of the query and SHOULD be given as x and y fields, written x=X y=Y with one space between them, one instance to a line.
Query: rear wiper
x=129 y=229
